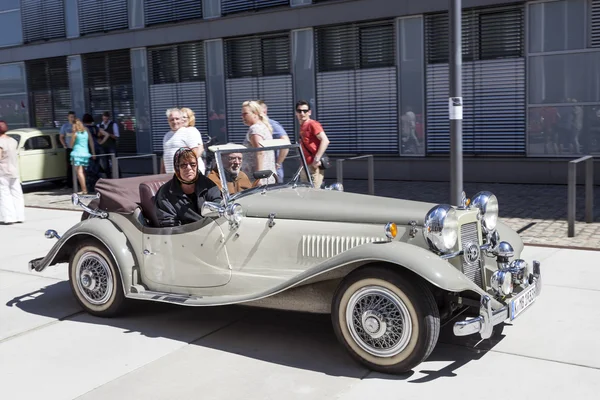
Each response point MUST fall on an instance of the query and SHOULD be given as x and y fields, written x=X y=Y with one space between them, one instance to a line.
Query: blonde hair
x=256 y=109
x=78 y=126
x=190 y=114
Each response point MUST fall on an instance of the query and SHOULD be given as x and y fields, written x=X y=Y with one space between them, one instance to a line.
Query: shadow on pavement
x=293 y=339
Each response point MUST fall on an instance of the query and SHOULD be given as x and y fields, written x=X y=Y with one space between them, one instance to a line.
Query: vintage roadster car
x=389 y=271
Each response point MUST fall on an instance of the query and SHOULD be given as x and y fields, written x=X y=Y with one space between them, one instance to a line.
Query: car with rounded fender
x=389 y=271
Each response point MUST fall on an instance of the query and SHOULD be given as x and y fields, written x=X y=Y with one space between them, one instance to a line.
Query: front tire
x=95 y=280
x=386 y=320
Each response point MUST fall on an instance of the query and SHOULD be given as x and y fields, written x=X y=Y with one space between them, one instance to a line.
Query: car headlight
x=487 y=203
x=441 y=228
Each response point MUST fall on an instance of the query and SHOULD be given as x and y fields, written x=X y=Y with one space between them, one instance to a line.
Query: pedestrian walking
x=178 y=138
x=189 y=122
x=259 y=129
x=99 y=165
x=12 y=207
x=314 y=142
x=83 y=150
x=65 y=137
x=278 y=133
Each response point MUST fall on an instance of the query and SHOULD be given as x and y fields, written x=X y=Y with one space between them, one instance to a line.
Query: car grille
x=468 y=235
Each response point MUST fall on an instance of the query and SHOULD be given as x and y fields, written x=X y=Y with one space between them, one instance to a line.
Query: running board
x=181 y=299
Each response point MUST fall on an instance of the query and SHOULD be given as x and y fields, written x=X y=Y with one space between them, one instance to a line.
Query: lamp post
x=456 y=103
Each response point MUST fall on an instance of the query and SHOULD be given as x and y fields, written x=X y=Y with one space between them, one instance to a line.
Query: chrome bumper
x=488 y=318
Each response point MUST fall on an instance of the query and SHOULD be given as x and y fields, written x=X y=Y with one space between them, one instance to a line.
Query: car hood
x=305 y=203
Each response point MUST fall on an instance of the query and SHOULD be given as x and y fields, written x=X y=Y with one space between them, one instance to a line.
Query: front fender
x=102 y=230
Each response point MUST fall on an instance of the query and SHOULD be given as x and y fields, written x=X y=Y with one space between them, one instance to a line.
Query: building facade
x=374 y=71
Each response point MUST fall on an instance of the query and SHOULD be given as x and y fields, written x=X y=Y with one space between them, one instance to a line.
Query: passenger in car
x=237 y=180
x=179 y=201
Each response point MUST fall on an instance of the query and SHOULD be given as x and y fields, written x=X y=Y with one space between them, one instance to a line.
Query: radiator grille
x=468 y=235
x=324 y=246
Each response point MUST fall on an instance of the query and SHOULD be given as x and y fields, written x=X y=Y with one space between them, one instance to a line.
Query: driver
x=179 y=201
x=237 y=180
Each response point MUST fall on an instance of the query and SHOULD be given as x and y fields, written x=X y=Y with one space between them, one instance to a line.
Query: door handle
x=148 y=252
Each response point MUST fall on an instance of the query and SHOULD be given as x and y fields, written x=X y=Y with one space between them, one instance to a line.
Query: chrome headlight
x=487 y=203
x=233 y=213
x=441 y=228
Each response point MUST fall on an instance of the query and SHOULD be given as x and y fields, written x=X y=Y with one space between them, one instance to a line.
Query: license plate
x=521 y=302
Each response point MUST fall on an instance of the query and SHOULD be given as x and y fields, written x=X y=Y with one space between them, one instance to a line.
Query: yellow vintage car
x=41 y=155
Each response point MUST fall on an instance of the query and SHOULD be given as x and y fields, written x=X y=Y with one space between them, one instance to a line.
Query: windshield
x=245 y=170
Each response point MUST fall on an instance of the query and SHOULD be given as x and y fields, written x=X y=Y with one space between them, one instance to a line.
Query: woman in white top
x=179 y=136
x=12 y=207
x=260 y=129
x=189 y=120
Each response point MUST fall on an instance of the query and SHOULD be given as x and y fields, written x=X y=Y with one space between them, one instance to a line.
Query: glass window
x=12 y=79
x=11 y=22
x=564 y=78
x=38 y=143
x=13 y=110
x=6 y=5
x=564 y=130
x=557 y=25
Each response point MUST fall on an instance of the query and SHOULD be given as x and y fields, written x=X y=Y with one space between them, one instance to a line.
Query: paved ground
x=538 y=212
x=50 y=349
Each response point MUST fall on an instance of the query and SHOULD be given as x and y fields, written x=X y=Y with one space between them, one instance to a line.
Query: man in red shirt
x=314 y=142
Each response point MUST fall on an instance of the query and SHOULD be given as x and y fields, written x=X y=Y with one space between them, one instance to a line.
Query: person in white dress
x=189 y=122
x=260 y=129
x=12 y=205
x=177 y=138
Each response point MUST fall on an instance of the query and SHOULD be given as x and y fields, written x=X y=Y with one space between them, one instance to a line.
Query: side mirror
x=262 y=174
x=232 y=213
x=211 y=210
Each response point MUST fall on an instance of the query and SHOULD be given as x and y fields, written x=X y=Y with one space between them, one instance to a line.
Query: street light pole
x=456 y=103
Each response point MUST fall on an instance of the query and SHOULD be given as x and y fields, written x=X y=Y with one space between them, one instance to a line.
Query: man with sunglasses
x=314 y=142
x=179 y=201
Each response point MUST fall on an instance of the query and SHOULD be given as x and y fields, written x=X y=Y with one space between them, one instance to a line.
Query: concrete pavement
x=50 y=349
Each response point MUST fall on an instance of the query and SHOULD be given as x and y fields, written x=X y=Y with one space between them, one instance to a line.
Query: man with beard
x=179 y=201
x=236 y=179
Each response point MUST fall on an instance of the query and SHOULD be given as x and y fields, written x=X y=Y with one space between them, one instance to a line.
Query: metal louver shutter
x=493 y=82
x=108 y=87
x=165 y=11
x=357 y=87
x=177 y=79
x=49 y=93
x=258 y=68
x=42 y=19
x=102 y=15
x=235 y=6
x=595 y=24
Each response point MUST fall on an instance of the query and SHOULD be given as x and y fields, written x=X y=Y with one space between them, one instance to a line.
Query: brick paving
x=539 y=212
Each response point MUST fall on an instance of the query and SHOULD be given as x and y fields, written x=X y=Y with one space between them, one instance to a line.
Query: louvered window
x=49 y=93
x=108 y=87
x=177 y=79
x=258 y=67
x=595 y=23
x=165 y=11
x=493 y=81
x=102 y=15
x=42 y=19
x=235 y=6
x=357 y=99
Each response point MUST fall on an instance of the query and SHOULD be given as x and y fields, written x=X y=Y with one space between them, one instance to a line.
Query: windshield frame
x=229 y=197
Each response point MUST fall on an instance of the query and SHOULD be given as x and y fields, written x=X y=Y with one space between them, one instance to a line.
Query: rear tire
x=387 y=320
x=95 y=280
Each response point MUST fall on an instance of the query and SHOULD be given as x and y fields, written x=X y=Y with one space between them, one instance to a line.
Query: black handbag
x=325 y=162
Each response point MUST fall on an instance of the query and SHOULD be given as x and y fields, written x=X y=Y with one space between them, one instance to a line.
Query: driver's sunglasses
x=185 y=165
x=298 y=110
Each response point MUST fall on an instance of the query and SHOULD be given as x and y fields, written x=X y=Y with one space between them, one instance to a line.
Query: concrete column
x=141 y=100
x=71 y=18
x=215 y=89
x=303 y=66
x=76 y=85
x=136 y=14
x=211 y=9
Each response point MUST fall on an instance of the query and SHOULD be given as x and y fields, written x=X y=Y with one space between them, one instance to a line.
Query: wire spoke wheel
x=378 y=321
x=94 y=278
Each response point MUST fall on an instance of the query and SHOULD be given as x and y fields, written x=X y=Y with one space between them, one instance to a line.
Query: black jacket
x=174 y=208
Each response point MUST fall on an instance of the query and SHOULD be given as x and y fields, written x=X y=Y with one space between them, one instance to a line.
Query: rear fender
x=102 y=230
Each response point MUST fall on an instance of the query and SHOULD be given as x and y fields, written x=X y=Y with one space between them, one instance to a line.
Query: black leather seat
x=148 y=191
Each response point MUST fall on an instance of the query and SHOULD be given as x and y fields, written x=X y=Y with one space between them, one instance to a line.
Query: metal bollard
x=115 y=166
x=154 y=165
x=74 y=171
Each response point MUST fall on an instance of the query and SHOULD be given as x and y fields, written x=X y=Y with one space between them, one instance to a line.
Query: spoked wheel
x=386 y=321
x=95 y=280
